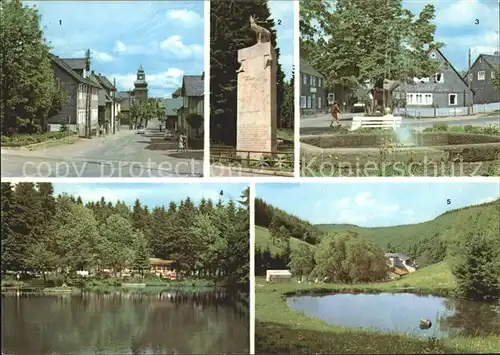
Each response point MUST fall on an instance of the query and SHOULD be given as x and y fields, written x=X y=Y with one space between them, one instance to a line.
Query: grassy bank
x=280 y=329
x=22 y=140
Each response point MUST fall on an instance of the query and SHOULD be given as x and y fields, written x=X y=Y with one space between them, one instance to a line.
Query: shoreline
x=280 y=329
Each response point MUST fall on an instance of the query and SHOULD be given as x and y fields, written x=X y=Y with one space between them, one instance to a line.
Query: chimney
x=92 y=72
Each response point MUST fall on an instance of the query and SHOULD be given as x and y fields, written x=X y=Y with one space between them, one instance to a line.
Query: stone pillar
x=257 y=108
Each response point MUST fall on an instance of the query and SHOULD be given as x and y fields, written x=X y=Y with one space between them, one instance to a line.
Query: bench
x=387 y=121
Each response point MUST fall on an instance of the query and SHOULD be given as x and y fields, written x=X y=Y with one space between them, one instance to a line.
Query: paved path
x=125 y=154
x=314 y=125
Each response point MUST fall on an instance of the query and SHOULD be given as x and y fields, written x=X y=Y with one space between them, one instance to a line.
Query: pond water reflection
x=122 y=323
x=401 y=312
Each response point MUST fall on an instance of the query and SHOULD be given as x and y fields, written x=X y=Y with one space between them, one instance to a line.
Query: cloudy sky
x=456 y=27
x=166 y=37
x=375 y=204
x=151 y=194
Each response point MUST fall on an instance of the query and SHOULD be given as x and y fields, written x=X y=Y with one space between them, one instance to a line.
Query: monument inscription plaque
x=257 y=110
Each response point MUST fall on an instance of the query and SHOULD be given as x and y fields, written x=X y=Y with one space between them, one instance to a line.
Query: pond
x=401 y=312
x=123 y=323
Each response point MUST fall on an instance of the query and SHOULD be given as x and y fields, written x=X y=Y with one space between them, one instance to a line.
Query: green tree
x=496 y=80
x=302 y=261
x=477 y=267
x=287 y=114
x=347 y=258
x=227 y=36
x=118 y=244
x=40 y=257
x=76 y=236
x=141 y=257
x=8 y=242
x=358 y=40
x=29 y=89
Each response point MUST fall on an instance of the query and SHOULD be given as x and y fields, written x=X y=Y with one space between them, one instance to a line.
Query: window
x=303 y=102
x=304 y=79
x=433 y=55
x=493 y=74
x=452 y=99
x=419 y=99
x=309 y=102
x=319 y=82
x=471 y=76
x=480 y=75
x=439 y=78
x=311 y=80
x=428 y=99
x=314 y=81
x=80 y=93
x=319 y=101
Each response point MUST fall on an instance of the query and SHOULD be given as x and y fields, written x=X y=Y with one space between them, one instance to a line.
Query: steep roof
x=432 y=86
x=76 y=63
x=67 y=68
x=193 y=85
x=492 y=59
x=172 y=105
x=307 y=68
x=397 y=255
x=105 y=82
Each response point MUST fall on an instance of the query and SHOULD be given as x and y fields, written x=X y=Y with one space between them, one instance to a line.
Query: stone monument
x=257 y=109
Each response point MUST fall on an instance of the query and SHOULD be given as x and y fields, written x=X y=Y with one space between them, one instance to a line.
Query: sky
x=282 y=12
x=151 y=194
x=375 y=204
x=456 y=27
x=166 y=37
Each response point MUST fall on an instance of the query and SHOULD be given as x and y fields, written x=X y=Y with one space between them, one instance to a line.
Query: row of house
x=92 y=106
x=188 y=99
x=447 y=89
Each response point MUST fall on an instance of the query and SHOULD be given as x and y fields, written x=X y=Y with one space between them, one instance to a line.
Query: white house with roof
x=401 y=261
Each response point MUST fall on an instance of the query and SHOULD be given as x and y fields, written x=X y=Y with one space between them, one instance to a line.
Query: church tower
x=140 y=85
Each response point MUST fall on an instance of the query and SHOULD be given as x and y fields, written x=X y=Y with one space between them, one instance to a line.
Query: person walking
x=335 y=110
x=185 y=139
x=180 y=148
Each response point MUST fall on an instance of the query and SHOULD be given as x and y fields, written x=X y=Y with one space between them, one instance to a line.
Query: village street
x=125 y=154
x=318 y=124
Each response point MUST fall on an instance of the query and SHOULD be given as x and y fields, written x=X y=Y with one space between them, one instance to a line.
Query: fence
x=230 y=156
x=447 y=111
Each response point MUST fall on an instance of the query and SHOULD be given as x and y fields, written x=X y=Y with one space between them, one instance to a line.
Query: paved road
x=315 y=125
x=125 y=154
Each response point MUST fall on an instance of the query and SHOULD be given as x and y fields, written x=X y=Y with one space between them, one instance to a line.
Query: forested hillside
x=429 y=242
x=455 y=237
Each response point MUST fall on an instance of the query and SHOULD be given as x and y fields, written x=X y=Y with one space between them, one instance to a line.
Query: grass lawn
x=263 y=240
x=286 y=134
x=280 y=329
x=21 y=140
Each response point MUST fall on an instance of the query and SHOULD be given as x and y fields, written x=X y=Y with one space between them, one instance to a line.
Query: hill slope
x=447 y=228
x=263 y=241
